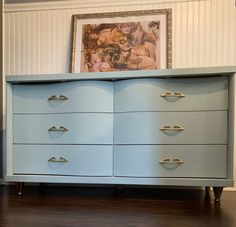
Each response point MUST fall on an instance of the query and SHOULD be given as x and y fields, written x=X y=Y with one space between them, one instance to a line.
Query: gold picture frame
x=116 y=41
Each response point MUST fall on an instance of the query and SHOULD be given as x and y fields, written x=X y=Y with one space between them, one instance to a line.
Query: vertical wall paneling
x=44 y=41
x=6 y=45
x=220 y=31
x=232 y=34
x=196 y=44
x=17 y=49
x=178 y=36
x=32 y=44
x=184 y=30
x=48 y=45
x=23 y=43
x=27 y=33
x=201 y=33
x=26 y=41
x=52 y=25
x=207 y=25
x=204 y=34
x=7 y=33
x=189 y=31
x=30 y=36
x=37 y=44
x=225 y=38
x=57 y=30
x=214 y=30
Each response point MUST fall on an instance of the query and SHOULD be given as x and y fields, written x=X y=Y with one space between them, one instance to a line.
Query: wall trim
x=70 y=4
x=231 y=188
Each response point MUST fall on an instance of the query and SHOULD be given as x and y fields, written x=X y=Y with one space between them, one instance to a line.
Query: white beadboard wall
x=37 y=36
x=38 y=41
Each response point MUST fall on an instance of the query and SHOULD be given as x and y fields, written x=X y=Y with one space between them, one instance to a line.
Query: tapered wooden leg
x=217 y=192
x=41 y=188
x=19 y=187
x=207 y=194
x=119 y=190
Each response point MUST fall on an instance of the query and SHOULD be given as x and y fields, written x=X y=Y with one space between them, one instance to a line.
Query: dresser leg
x=207 y=194
x=119 y=190
x=41 y=188
x=19 y=187
x=217 y=192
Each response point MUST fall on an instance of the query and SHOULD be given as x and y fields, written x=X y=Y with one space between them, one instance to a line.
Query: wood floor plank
x=61 y=206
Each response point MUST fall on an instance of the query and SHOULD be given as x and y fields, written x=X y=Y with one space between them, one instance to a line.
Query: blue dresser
x=166 y=127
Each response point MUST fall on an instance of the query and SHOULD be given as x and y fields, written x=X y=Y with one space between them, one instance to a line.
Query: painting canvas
x=121 y=41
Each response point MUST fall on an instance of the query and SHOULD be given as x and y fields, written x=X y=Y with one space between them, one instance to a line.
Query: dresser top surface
x=181 y=72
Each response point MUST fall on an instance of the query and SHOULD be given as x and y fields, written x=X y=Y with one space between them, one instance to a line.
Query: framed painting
x=133 y=40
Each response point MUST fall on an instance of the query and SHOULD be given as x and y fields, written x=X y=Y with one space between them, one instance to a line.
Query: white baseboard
x=231 y=188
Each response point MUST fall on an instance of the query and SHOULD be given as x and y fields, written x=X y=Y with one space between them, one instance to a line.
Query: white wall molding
x=231 y=188
x=78 y=4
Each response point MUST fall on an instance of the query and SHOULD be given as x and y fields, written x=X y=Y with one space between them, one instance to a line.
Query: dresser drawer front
x=145 y=94
x=83 y=96
x=149 y=128
x=78 y=160
x=185 y=161
x=82 y=128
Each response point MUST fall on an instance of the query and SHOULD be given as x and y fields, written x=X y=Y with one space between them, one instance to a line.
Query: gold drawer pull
x=58 y=98
x=170 y=94
x=174 y=128
x=60 y=129
x=173 y=161
x=61 y=159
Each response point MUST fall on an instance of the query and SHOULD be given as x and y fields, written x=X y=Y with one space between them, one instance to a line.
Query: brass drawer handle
x=58 y=98
x=61 y=159
x=173 y=161
x=60 y=129
x=170 y=94
x=174 y=128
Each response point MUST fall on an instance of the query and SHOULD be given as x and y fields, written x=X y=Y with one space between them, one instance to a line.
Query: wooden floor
x=103 y=206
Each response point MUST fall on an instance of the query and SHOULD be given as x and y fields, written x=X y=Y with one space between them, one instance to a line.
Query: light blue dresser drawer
x=188 y=94
x=63 y=160
x=78 y=96
x=77 y=128
x=171 y=128
x=170 y=161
